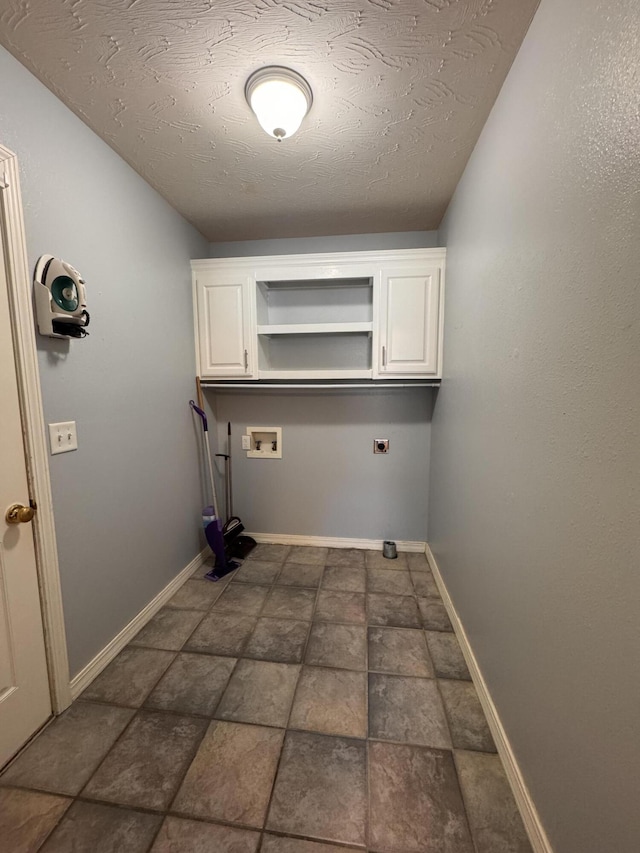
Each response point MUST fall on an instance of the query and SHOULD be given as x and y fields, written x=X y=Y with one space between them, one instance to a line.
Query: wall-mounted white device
x=264 y=442
x=60 y=299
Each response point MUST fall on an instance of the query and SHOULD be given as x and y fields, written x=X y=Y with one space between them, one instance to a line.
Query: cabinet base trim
x=371 y=385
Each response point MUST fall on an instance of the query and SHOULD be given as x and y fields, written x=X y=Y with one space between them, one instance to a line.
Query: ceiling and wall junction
x=401 y=93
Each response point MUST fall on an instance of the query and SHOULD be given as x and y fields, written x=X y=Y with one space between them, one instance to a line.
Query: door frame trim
x=36 y=451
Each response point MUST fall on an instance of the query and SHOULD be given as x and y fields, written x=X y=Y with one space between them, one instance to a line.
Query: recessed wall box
x=265 y=442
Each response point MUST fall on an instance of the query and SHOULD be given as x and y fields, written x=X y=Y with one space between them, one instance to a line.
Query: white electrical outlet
x=246 y=442
x=63 y=437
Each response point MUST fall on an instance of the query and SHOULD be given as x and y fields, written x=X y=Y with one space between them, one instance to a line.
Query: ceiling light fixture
x=280 y=99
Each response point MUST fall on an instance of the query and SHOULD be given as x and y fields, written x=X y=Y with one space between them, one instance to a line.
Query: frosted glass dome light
x=280 y=98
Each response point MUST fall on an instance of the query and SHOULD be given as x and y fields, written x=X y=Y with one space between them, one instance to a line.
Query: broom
x=210 y=514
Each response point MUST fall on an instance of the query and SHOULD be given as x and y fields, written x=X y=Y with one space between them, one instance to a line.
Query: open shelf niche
x=315 y=328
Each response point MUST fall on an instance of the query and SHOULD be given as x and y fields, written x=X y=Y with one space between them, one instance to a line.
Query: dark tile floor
x=315 y=700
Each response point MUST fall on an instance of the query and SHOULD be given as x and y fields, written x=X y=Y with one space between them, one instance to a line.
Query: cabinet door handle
x=246 y=361
x=384 y=356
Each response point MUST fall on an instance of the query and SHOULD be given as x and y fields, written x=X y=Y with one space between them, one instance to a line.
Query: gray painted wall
x=534 y=500
x=328 y=438
x=127 y=503
x=341 y=243
x=329 y=482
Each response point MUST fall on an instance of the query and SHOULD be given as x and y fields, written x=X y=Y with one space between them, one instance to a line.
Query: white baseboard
x=84 y=678
x=334 y=542
x=526 y=806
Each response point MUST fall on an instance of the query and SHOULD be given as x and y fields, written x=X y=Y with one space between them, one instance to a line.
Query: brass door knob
x=19 y=514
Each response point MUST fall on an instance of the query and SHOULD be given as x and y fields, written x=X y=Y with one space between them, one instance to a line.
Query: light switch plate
x=63 y=437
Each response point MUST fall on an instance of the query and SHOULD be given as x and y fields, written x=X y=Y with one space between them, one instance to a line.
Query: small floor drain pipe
x=389 y=550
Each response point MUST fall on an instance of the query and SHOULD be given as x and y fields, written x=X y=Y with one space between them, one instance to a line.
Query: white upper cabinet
x=352 y=315
x=409 y=321
x=225 y=324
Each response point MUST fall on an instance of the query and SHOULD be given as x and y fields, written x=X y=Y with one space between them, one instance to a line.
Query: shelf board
x=345 y=373
x=316 y=329
x=323 y=283
x=311 y=384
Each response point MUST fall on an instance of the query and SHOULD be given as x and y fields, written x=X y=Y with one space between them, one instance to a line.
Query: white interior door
x=25 y=702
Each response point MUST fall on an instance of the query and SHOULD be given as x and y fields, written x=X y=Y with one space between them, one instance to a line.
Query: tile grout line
x=56 y=825
x=180 y=782
x=272 y=586
x=136 y=714
x=156 y=833
x=203 y=614
x=26 y=746
x=117 y=741
x=223 y=691
x=240 y=656
x=286 y=728
x=49 y=793
x=149 y=692
x=342 y=845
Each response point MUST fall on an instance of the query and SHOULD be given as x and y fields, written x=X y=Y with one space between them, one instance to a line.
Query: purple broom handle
x=199 y=411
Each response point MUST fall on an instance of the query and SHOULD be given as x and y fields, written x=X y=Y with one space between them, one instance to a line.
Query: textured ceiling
x=401 y=88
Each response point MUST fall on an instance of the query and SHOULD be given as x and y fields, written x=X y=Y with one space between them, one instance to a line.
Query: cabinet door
x=226 y=328
x=409 y=317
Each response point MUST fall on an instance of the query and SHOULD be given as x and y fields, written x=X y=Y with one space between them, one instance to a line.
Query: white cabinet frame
x=377 y=267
